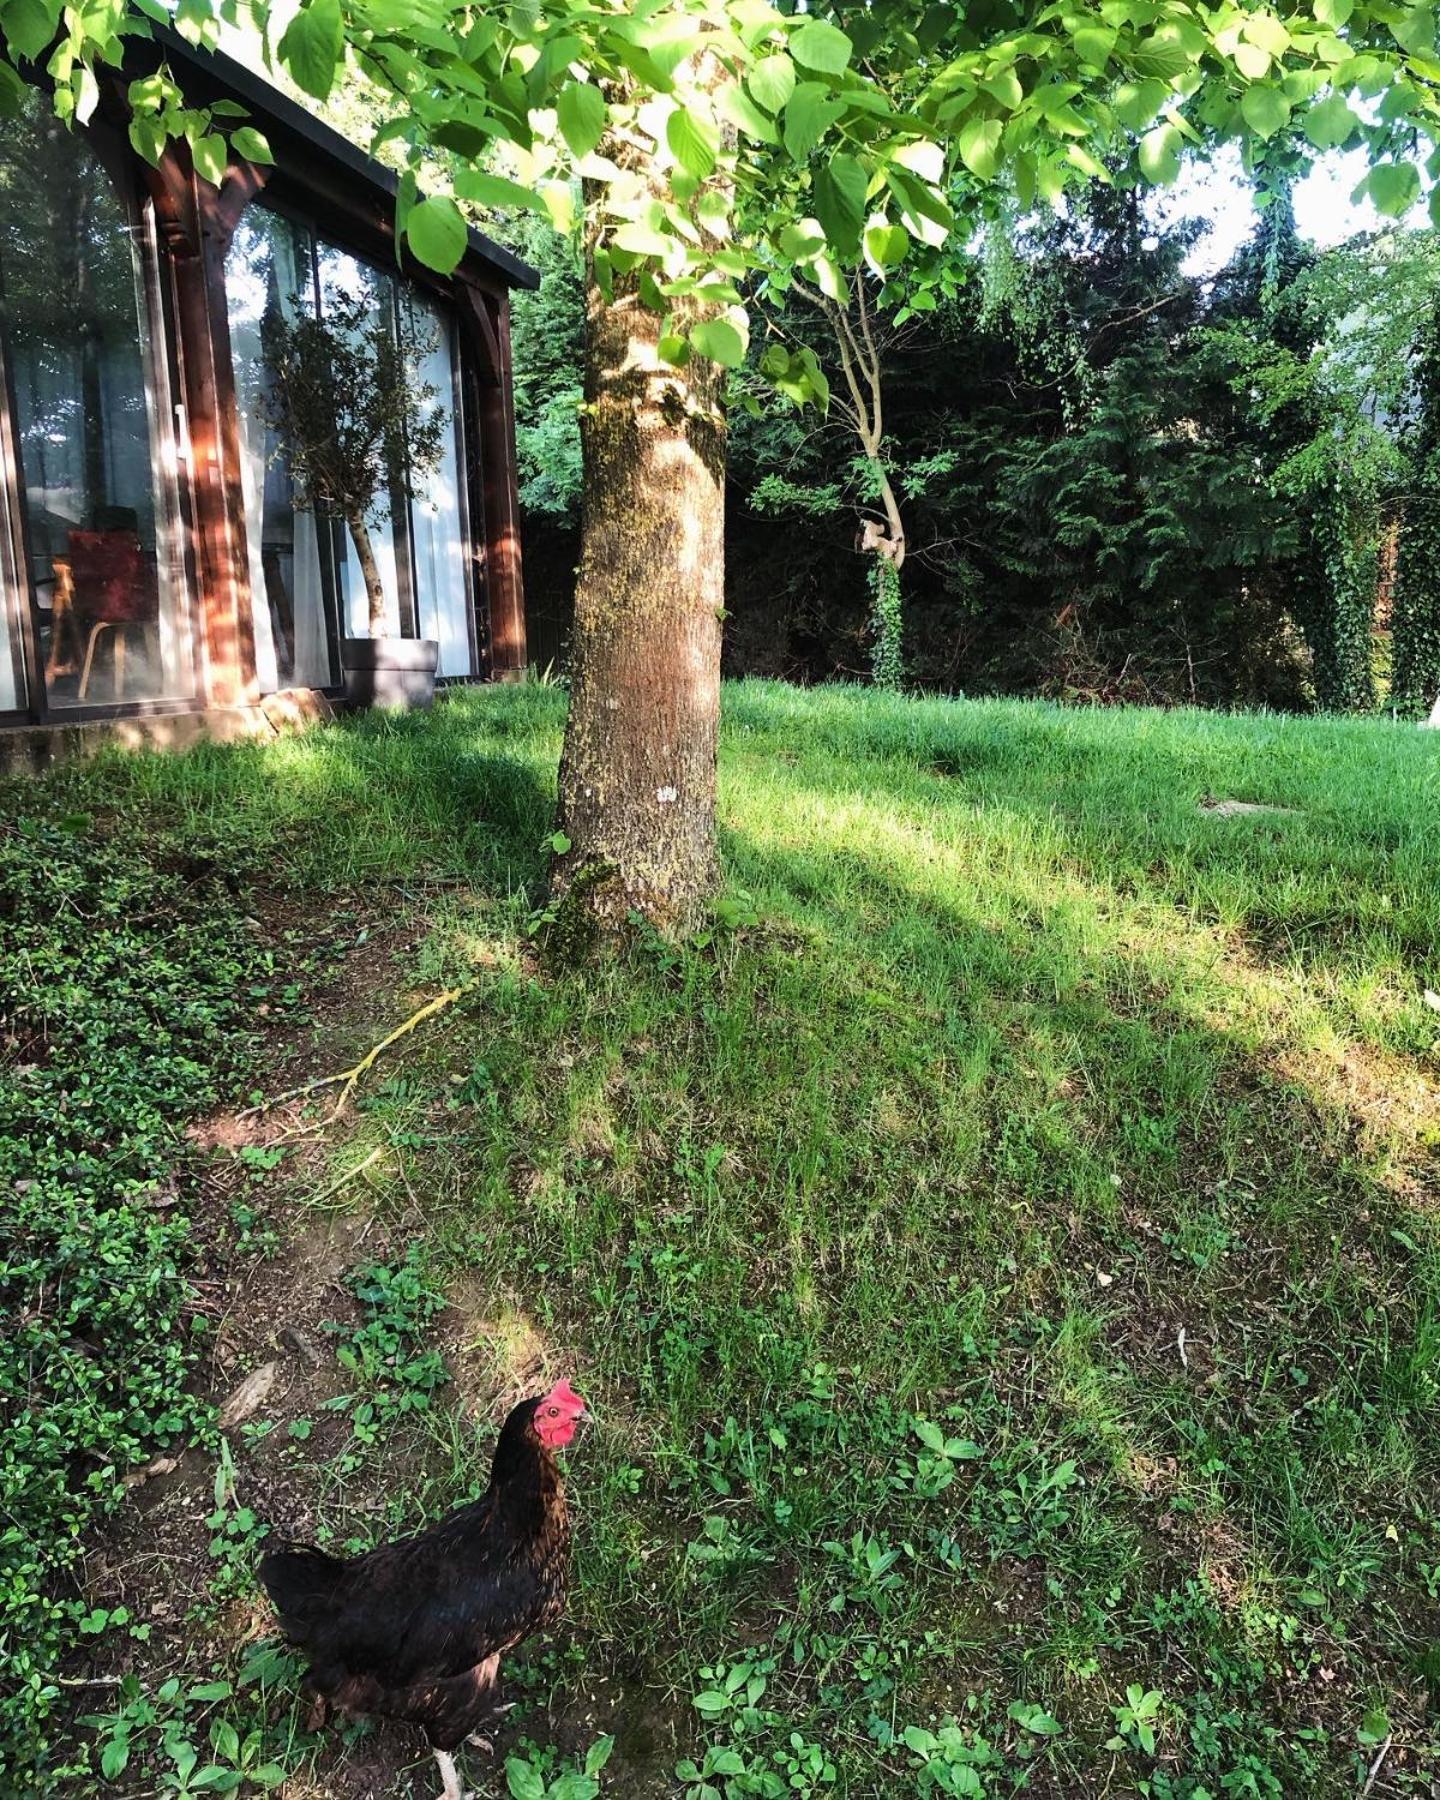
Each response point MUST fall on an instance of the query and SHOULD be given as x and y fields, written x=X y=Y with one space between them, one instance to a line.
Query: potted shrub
x=358 y=425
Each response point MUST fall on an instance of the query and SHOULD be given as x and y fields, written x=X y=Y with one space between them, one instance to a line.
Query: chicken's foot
x=450 y=1775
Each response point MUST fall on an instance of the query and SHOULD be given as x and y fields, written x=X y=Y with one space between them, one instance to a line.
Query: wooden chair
x=111 y=590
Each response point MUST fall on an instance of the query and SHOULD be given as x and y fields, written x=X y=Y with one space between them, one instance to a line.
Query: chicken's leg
x=450 y=1775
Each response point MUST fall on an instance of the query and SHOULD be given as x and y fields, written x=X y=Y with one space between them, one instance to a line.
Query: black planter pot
x=393 y=672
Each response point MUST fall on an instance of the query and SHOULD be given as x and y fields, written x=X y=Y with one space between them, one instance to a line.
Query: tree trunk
x=370 y=569
x=637 y=777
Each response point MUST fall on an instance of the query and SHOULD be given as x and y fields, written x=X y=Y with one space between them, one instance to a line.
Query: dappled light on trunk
x=637 y=778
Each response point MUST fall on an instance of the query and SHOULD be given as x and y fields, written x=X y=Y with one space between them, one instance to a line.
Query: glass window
x=437 y=511
x=343 y=276
x=12 y=689
x=305 y=571
x=97 y=465
x=270 y=270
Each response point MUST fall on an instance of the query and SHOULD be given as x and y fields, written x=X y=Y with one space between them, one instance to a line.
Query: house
x=155 y=567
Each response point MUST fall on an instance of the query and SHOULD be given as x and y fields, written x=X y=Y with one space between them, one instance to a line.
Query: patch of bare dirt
x=271 y=1368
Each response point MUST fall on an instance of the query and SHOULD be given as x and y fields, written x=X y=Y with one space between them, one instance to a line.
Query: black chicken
x=415 y=1630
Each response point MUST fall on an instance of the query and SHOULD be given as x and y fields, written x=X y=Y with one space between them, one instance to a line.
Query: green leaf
x=1161 y=55
x=840 y=201
x=1005 y=87
x=979 y=143
x=559 y=843
x=693 y=141
x=582 y=113
x=1094 y=44
x=923 y=210
x=494 y=190
x=824 y=48
x=253 y=145
x=1334 y=13
x=733 y=103
x=598 y=1755
x=641 y=237
x=29 y=25
x=772 y=82
x=1160 y=155
x=147 y=135
x=1394 y=187
x=801 y=239
x=524 y=1782
x=1265 y=110
x=810 y=111
x=1415 y=32
x=313 y=45
x=211 y=155
x=437 y=234
x=1266 y=30
x=1137 y=102
x=1253 y=61
x=559 y=198
x=1034 y=1718
x=720 y=340
x=1330 y=122
x=886 y=245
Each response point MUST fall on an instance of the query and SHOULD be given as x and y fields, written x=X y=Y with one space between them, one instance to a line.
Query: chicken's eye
x=554 y=1412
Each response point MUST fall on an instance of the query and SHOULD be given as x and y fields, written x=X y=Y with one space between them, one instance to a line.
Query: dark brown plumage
x=415 y=1630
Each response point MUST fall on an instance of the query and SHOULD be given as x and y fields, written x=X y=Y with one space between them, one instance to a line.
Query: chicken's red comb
x=562 y=1394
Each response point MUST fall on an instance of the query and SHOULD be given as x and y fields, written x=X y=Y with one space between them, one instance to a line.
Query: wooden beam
x=504 y=577
x=197 y=222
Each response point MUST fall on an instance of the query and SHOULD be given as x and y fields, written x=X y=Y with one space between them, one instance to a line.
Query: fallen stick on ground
x=349 y=1077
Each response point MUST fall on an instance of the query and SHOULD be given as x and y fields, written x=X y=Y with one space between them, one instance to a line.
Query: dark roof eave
x=270 y=104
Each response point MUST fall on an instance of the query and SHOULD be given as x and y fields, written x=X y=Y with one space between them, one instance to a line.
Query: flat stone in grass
x=1235 y=809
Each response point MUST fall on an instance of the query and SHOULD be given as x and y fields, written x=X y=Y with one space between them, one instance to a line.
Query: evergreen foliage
x=1119 y=481
x=1416 y=624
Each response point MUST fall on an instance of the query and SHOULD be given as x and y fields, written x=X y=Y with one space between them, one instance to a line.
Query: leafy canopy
x=823 y=140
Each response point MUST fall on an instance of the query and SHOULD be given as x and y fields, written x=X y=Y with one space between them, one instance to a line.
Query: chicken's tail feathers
x=302 y=1582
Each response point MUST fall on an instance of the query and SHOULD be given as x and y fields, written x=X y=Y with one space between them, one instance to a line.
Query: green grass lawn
x=1005 y=1265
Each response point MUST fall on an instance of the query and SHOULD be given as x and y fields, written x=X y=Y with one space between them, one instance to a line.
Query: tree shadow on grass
x=1142 y=1170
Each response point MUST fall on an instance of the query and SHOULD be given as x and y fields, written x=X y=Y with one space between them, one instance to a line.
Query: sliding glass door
x=439 y=525
x=270 y=273
x=305 y=575
x=91 y=425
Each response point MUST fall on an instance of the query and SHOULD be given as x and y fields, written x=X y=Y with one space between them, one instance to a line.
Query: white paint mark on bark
x=666 y=795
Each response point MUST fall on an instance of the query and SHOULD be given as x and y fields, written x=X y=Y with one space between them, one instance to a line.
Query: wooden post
x=197 y=222
x=488 y=316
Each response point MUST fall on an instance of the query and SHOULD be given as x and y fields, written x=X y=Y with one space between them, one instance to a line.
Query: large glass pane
x=269 y=271
x=96 y=457
x=437 y=520
x=12 y=693
x=345 y=277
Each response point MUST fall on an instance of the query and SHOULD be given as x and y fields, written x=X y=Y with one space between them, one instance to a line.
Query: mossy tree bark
x=637 y=777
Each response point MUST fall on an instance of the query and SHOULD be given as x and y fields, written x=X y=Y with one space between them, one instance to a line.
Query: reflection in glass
x=344 y=275
x=442 y=593
x=97 y=474
x=12 y=693
x=270 y=267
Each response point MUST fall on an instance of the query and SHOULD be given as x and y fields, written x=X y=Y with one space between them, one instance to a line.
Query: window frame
x=172 y=499
x=469 y=455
